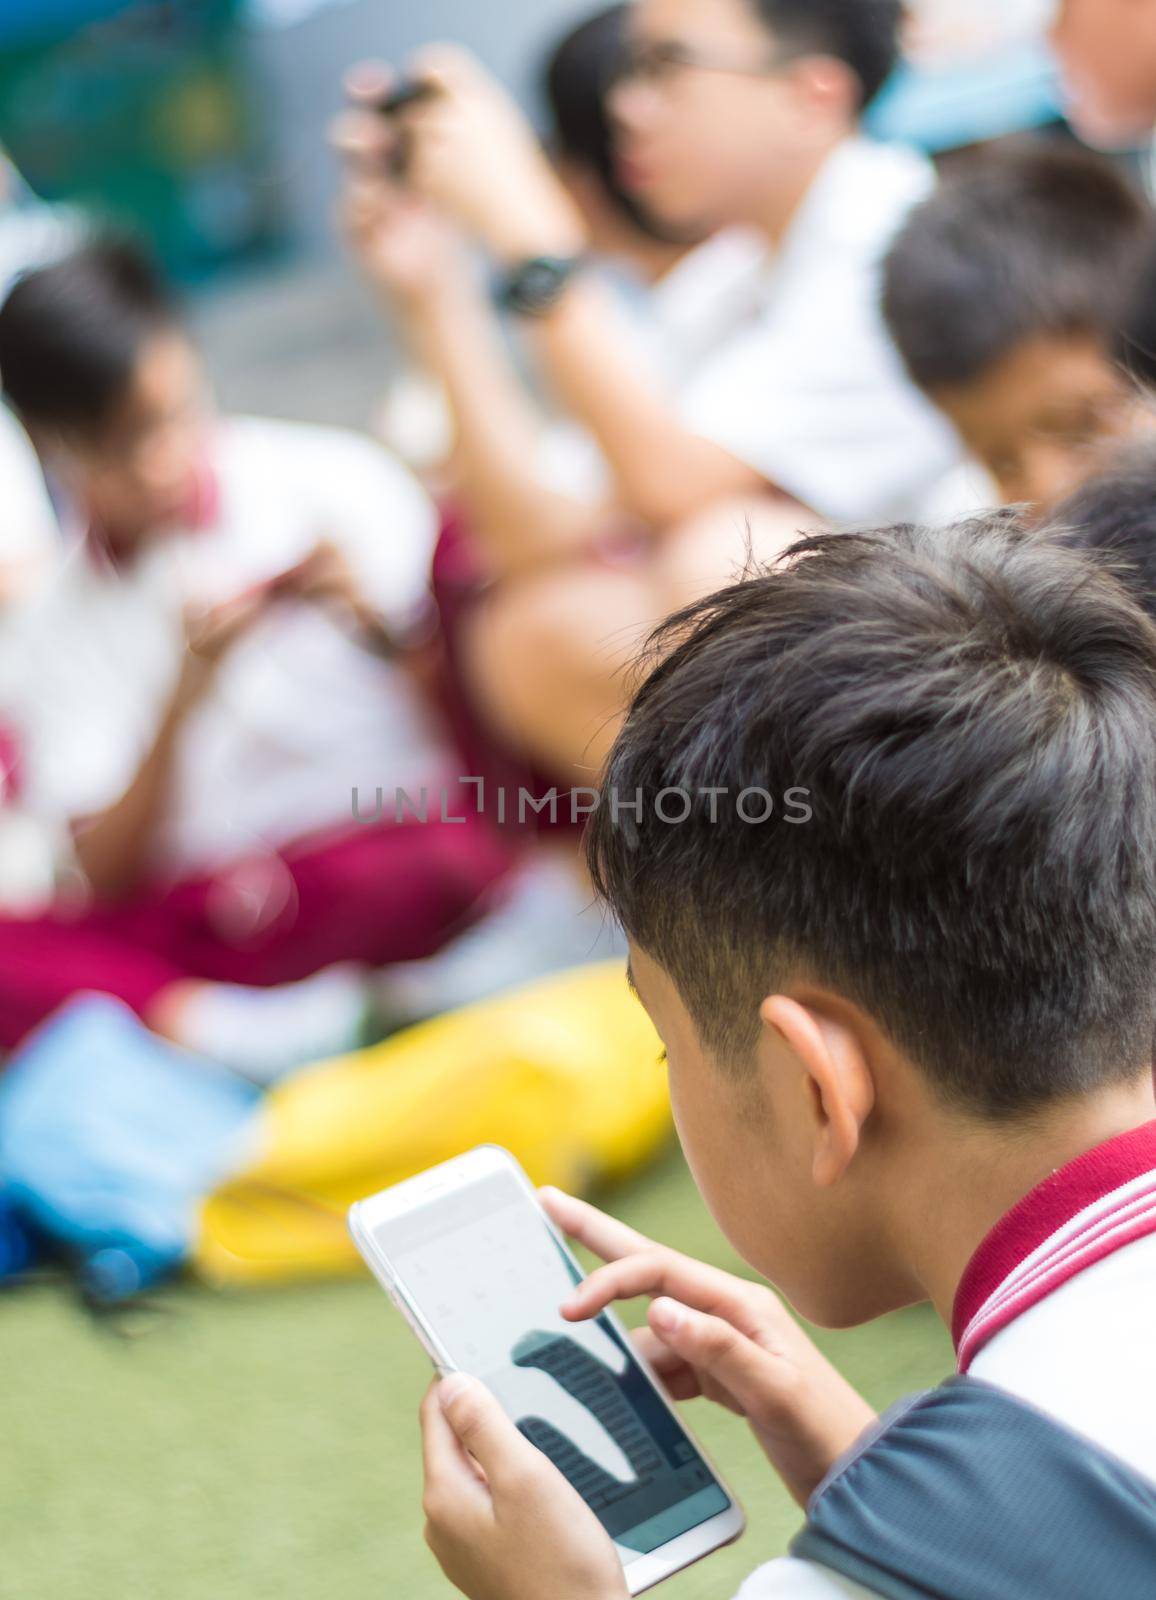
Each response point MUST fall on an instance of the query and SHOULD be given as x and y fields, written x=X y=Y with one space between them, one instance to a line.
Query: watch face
x=541 y=279
x=536 y=285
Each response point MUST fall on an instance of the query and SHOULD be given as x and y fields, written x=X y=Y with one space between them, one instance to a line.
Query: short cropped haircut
x=1114 y=515
x=972 y=712
x=71 y=333
x=1034 y=238
x=862 y=33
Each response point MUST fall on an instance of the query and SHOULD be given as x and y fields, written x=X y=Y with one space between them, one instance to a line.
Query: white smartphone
x=478 y=1270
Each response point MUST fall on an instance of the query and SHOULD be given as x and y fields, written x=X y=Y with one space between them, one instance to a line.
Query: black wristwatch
x=533 y=288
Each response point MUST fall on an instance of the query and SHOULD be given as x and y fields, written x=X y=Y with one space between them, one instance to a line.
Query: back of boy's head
x=1114 y=515
x=864 y=34
x=1031 y=238
x=972 y=713
x=71 y=334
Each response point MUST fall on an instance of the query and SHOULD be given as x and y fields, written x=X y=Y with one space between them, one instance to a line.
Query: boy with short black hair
x=217 y=662
x=910 y=1046
x=725 y=113
x=1006 y=292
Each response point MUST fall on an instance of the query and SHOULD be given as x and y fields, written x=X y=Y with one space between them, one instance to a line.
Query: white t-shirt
x=706 y=299
x=298 y=715
x=29 y=533
x=1080 y=1351
x=811 y=391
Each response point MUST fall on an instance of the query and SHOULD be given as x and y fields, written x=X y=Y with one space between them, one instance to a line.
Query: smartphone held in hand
x=478 y=1270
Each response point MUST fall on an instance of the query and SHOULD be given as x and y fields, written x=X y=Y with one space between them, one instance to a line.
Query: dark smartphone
x=409 y=93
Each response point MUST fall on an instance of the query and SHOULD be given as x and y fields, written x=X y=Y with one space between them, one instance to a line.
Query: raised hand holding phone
x=571 y=1412
x=501 y=1519
x=712 y=1334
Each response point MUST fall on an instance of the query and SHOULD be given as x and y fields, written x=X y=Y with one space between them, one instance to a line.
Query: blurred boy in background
x=215 y=669
x=1007 y=293
x=727 y=114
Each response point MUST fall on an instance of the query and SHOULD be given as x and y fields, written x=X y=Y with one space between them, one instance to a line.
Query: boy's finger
x=659 y=1271
x=448 y=66
x=604 y=1235
x=480 y=1426
x=370 y=81
x=677 y=1377
x=361 y=136
x=448 y=1470
x=716 y=1348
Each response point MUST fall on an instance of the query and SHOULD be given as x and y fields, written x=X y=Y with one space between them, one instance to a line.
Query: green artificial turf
x=263 y=1445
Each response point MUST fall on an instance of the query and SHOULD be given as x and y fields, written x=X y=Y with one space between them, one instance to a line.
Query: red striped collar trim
x=1083 y=1212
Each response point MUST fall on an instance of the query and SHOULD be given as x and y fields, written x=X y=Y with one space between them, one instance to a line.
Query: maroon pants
x=370 y=895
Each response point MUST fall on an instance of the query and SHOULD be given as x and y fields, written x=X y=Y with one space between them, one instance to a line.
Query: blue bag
x=109 y=1139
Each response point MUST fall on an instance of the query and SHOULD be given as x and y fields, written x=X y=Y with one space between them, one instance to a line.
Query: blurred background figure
x=755 y=146
x=216 y=667
x=1008 y=293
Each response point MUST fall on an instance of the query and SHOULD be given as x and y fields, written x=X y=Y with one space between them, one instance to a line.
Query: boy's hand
x=501 y=1519
x=209 y=636
x=405 y=245
x=472 y=153
x=716 y=1335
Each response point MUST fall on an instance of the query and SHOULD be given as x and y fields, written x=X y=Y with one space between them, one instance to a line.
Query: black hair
x=1136 y=343
x=862 y=33
x=579 y=74
x=971 y=714
x=1114 y=514
x=71 y=333
x=1034 y=237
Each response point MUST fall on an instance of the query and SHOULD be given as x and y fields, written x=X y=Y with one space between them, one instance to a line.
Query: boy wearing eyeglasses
x=734 y=120
x=727 y=113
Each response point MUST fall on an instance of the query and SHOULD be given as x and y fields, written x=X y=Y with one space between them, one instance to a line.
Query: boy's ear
x=838 y=1083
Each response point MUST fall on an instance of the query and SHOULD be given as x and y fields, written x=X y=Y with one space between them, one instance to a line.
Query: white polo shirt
x=298 y=714
x=1057 y=1306
x=782 y=357
x=811 y=391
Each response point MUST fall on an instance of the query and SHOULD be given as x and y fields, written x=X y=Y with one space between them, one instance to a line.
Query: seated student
x=684 y=293
x=755 y=399
x=727 y=113
x=216 y=667
x=680 y=291
x=910 y=1046
x=1006 y=292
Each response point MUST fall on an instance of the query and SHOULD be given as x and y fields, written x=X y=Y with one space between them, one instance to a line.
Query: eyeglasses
x=662 y=64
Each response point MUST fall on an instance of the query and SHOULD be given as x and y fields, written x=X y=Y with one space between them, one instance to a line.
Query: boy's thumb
x=714 y=1346
x=480 y=1424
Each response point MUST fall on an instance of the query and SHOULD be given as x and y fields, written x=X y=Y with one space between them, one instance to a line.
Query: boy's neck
x=778 y=208
x=956 y=1188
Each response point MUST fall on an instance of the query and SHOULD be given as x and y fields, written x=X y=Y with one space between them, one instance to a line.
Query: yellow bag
x=562 y=1072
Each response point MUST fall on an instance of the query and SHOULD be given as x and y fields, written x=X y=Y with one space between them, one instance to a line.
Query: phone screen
x=484 y=1272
